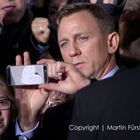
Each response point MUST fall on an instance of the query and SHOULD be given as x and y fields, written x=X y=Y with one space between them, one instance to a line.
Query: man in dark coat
x=108 y=109
x=15 y=32
x=87 y=40
x=105 y=110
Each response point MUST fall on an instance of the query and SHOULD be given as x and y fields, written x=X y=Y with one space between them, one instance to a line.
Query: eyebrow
x=61 y=40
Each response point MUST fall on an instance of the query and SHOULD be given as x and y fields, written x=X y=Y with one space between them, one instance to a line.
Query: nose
x=74 y=50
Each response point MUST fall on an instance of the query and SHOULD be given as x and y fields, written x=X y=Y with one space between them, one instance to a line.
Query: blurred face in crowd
x=11 y=11
x=83 y=44
x=104 y=1
x=4 y=109
x=93 y=1
x=54 y=6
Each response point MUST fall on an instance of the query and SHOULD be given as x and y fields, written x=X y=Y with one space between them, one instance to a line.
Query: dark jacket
x=55 y=123
x=113 y=101
x=109 y=109
x=15 y=39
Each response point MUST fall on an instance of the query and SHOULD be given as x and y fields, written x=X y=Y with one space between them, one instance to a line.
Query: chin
x=84 y=73
x=2 y=131
x=11 y=19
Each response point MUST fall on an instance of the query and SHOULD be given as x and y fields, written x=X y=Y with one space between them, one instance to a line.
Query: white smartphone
x=26 y=75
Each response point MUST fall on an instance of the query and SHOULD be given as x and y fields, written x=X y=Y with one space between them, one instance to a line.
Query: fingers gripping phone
x=26 y=75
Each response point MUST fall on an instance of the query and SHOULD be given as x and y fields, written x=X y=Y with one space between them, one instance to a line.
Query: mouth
x=79 y=65
x=8 y=8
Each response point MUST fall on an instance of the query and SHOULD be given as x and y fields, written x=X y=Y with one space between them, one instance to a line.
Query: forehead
x=82 y=20
x=84 y=16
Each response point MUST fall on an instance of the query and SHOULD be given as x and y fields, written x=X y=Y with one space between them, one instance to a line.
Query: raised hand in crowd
x=40 y=29
x=30 y=100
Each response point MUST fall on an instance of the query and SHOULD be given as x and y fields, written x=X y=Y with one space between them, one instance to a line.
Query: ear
x=113 y=42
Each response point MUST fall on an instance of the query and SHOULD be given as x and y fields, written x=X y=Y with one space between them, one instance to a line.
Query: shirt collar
x=111 y=73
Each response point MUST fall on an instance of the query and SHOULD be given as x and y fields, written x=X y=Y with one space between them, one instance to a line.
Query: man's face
x=83 y=44
x=11 y=11
x=93 y=1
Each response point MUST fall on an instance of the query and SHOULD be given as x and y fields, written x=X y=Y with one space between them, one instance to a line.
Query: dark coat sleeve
x=55 y=123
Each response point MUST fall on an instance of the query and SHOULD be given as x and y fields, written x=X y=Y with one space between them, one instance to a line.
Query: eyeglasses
x=5 y=103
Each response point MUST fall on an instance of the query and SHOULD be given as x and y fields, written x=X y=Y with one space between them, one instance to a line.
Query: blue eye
x=63 y=44
x=83 y=38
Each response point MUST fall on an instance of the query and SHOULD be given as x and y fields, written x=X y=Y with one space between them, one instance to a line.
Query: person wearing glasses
x=7 y=111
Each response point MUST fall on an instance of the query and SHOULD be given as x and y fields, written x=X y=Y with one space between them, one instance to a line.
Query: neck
x=106 y=68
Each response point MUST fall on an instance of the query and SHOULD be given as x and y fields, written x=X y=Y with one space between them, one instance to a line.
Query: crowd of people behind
x=95 y=45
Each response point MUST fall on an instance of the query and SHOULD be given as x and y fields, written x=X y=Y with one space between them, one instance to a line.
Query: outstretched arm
x=29 y=100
